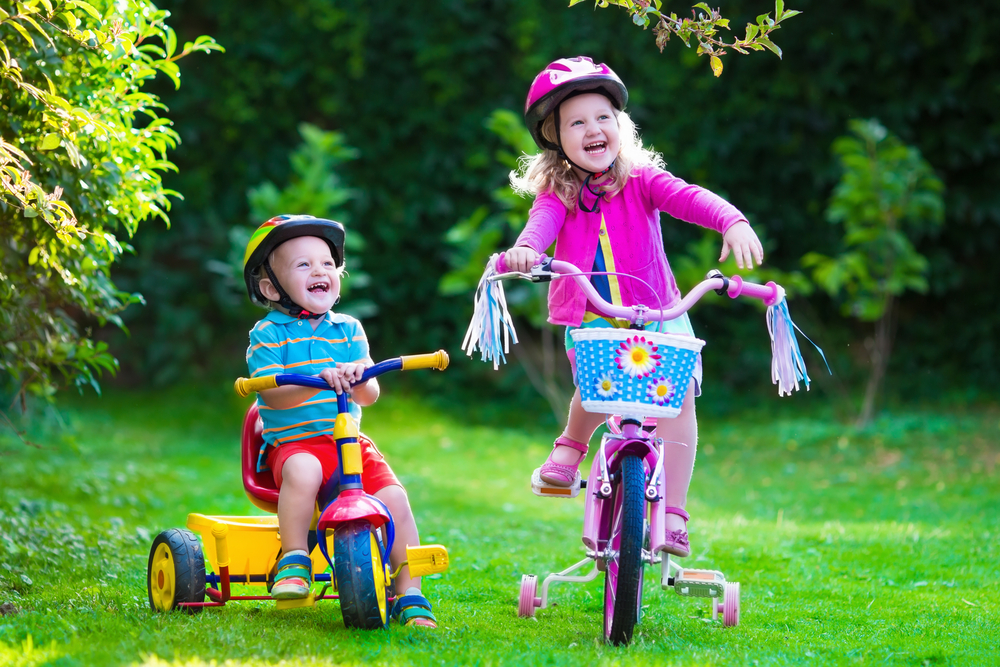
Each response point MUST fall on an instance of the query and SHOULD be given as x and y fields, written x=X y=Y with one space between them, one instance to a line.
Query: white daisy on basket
x=606 y=385
x=660 y=391
x=637 y=357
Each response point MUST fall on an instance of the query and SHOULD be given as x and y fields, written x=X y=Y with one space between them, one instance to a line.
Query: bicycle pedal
x=699 y=583
x=540 y=488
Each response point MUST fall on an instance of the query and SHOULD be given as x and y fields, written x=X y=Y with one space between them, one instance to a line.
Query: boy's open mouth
x=595 y=148
x=319 y=287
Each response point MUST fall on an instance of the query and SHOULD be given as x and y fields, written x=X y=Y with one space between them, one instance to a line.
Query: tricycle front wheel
x=176 y=571
x=360 y=574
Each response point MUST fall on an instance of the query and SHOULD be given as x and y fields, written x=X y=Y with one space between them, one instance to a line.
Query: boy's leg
x=395 y=498
x=301 y=475
x=680 y=444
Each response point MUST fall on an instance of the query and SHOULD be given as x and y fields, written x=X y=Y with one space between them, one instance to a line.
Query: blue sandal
x=293 y=577
x=413 y=610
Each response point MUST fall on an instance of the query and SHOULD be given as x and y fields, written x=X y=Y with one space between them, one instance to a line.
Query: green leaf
x=49 y=142
x=24 y=33
x=574 y=2
x=170 y=42
x=85 y=6
x=764 y=41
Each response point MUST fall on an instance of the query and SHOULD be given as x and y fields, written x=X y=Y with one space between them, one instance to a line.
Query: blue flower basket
x=636 y=373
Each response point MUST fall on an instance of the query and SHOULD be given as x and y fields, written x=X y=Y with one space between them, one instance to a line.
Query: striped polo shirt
x=280 y=344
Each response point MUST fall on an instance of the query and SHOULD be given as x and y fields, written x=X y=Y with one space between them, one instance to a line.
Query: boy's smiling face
x=308 y=273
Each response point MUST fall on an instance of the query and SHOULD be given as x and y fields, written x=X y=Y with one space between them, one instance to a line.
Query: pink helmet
x=563 y=78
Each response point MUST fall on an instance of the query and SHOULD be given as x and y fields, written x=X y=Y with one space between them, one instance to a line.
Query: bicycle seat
x=259 y=486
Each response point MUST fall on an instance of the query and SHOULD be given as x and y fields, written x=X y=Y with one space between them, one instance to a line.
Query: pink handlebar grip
x=502 y=263
x=770 y=293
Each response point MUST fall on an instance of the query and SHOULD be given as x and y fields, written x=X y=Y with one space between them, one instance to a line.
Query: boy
x=293 y=265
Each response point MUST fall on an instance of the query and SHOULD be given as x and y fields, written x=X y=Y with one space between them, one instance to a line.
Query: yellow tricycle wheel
x=176 y=571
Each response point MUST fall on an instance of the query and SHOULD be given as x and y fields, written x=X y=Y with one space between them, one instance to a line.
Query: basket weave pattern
x=624 y=371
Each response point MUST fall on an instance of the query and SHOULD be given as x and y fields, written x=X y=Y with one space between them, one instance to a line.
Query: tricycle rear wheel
x=360 y=574
x=175 y=572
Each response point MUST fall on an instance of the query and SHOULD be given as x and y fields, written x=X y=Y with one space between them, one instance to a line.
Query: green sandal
x=413 y=609
x=293 y=578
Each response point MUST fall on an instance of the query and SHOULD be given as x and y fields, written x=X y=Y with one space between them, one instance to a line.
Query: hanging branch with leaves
x=703 y=27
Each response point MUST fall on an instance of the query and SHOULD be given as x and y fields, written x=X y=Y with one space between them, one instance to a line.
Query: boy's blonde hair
x=547 y=172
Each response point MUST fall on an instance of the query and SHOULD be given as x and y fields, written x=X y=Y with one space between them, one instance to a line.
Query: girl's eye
x=576 y=122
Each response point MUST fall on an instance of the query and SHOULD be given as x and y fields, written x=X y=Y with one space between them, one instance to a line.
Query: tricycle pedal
x=541 y=488
x=299 y=603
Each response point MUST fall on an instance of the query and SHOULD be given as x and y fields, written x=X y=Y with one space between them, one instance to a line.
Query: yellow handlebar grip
x=246 y=386
x=436 y=360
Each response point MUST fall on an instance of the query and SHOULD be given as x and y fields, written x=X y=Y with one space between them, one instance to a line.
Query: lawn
x=877 y=547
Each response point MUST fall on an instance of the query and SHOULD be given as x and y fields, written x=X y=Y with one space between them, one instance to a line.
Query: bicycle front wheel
x=360 y=573
x=623 y=576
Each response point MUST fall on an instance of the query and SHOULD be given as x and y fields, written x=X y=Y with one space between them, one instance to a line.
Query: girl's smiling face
x=589 y=132
x=307 y=272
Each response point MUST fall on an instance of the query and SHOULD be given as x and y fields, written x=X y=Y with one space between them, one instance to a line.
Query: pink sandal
x=562 y=474
x=676 y=541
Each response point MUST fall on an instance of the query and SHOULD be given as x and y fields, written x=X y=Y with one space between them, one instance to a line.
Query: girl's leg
x=301 y=477
x=680 y=444
x=580 y=426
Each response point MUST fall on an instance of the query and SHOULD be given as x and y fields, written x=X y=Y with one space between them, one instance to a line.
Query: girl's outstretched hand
x=741 y=239
x=521 y=259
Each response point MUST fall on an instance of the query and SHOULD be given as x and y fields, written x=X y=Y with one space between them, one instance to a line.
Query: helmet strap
x=596 y=191
x=285 y=301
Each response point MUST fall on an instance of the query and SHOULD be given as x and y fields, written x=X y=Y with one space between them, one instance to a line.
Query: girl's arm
x=544 y=222
x=695 y=204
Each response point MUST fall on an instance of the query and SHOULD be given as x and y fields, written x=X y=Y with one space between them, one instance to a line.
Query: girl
x=599 y=195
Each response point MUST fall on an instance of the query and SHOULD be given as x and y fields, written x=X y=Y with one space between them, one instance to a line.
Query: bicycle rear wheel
x=623 y=577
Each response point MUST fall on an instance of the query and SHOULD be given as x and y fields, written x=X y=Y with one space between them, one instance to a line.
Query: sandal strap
x=679 y=512
x=294 y=565
x=572 y=444
x=408 y=607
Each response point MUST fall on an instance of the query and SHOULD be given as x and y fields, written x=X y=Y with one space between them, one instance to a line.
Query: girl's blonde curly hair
x=547 y=172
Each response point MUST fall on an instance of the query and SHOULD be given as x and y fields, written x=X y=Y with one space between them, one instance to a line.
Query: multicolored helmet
x=276 y=231
x=563 y=78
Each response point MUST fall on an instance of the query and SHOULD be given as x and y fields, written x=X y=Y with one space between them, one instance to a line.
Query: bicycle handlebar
x=435 y=360
x=547 y=269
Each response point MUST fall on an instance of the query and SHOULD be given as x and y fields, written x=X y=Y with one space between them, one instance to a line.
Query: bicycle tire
x=175 y=571
x=623 y=577
x=360 y=575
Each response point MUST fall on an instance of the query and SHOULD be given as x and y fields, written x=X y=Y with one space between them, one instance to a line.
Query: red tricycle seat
x=259 y=486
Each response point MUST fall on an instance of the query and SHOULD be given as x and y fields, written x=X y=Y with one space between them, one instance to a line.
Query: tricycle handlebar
x=436 y=360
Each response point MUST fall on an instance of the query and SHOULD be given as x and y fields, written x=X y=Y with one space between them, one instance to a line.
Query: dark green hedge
x=410 y=83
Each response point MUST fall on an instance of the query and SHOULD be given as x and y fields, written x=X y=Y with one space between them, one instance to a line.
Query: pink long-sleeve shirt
x=632 y=221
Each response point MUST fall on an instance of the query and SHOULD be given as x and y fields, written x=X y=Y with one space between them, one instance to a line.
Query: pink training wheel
x=527 y=603
x=729 y=607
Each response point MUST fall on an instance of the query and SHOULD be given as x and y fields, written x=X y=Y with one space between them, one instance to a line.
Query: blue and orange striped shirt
x=280 y=344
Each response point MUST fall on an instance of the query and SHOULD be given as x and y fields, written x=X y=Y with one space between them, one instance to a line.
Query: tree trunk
x=879 y=353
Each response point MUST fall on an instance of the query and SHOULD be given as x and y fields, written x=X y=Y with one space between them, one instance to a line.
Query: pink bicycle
x=632 y=376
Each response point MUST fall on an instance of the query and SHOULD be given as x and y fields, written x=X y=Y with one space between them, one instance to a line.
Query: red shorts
x=376 y=474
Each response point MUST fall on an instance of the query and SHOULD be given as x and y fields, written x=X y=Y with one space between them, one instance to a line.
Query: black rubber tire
x=631 y=493
x=180 y=577
x=360 y=576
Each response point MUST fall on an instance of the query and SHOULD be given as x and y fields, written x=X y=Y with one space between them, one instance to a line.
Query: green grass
x=876 y=547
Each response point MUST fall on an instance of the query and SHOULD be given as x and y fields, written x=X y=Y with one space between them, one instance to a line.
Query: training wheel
x=729 y=606
x=527 y=602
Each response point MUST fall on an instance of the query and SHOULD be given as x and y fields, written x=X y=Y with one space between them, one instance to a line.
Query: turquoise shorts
x=680 y=326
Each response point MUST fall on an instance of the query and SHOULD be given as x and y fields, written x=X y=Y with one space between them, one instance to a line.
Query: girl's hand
x=741 y=239
x=520 y=259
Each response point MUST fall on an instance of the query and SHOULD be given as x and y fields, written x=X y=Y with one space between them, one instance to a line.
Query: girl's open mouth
x=595 y=148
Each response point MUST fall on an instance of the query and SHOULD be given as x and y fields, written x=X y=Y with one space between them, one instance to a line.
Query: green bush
x=81 y=162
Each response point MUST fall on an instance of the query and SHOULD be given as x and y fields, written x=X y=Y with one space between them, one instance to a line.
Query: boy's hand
x=741 y=239
x=341 y=377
